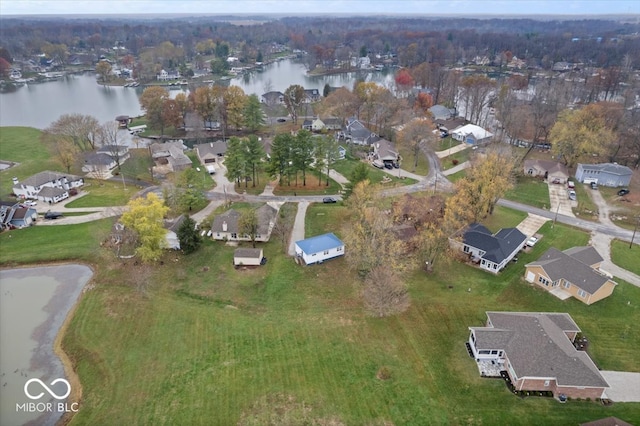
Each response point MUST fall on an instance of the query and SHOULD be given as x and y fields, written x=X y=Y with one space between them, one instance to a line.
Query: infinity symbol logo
x=52 y=393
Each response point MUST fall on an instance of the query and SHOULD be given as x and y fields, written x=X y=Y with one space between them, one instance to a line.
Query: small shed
x=319 y=248
x=247 y=257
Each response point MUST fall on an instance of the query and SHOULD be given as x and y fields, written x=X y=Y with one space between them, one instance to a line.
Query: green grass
x=460 y=156
x=408 y=160
x=530 y=191
x=586 y=209
x=313 y=187
x=345 y=168
x=503 y=217
x=625 y=257
x=195 y=341
x=104 y=194
x=457 y=176
x=446 y=143
x=138 y=166
x=23 y=145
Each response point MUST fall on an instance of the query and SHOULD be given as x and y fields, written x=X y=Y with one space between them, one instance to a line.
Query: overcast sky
x=388 y=7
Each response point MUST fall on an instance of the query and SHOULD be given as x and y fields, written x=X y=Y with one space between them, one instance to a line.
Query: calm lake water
x=38 y=105
x=34 y=303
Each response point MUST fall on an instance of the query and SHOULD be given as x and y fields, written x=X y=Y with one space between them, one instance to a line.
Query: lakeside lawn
x=195 y=341
x=23 y=145
x=530 y=191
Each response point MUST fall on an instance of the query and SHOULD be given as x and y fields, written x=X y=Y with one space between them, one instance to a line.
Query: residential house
x=247 y=257
x=553 y=171
x=123 y=121
x=306 y=124
x=471 y=134
x=385 y=151
x=537 y=352
x=47 y=186
x=171 y=237
x=491 y=251
x=311 y=96
x=572 y=272
x=357 y=133
x=272 y=98
x=98 y=165
x=342 y=152
x=170 y=156
x=16 y=215
x=225 y=226
x=165 y=76
x=211 y=152
x=441 y=112
x=562 y=66
x=607 y=174
x=319 y=248
x=332 y=123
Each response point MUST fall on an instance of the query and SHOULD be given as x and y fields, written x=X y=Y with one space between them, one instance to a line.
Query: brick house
x=536 y=350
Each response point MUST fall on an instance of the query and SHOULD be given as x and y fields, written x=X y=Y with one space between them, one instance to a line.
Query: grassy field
x=625 y=257
x=408 y=161
x=457 y=176
x=22 y=145
x=104 y=194
x=460 y=157
x=586 y=209
x=345 y=168
x=446 y=143
x=195 y=341
x=531 y=191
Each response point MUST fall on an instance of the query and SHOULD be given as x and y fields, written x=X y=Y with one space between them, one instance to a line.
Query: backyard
x=254 y=346
x=531 y=191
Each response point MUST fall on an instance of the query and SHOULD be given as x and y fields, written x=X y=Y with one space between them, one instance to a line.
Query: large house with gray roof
x=573 y=272
x=607 y=174
x=47 y=186
x=492 y=252
x=537 y=352
x=226 y=227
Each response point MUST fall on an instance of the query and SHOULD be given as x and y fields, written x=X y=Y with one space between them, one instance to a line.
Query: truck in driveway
x=210 y=169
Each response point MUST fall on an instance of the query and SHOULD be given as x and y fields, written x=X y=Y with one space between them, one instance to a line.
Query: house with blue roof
x=319 y=248
x=492 y=252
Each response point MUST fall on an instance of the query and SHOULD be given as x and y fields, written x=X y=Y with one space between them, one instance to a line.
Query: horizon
x=574 y=9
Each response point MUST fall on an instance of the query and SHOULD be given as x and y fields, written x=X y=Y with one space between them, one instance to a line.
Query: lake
x=39 y=104
x=34 y=303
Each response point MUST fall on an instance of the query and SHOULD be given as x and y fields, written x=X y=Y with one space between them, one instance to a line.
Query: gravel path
x=297 y=233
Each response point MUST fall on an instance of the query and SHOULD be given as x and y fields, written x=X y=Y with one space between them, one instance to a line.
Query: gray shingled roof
x=265 y=213
x=563 y=265
x=248 y=252
x=47 y=176
x=48 y=191
x=214 y=149
x=537 y=346
x=611 y=168
x=496 y=247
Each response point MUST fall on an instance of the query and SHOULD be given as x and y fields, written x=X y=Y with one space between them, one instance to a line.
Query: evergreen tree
x=253 y=115
x=188 y=236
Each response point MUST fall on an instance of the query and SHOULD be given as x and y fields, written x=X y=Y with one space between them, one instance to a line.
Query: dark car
x=281 y=120
x=623 y=192
x=52 y=215
x=263 y=261
x=328 y=200
x=396 y=165
x=388 y=166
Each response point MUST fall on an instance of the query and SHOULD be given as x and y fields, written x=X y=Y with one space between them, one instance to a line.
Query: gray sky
x=387 y=7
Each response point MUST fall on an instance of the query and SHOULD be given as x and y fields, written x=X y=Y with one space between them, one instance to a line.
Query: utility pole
x=556 y=216
x=634 y=231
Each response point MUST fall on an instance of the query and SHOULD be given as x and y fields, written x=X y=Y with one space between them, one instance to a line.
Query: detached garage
x=247 y=257
x=319 y=248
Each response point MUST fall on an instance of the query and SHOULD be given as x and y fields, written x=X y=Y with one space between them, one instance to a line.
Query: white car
x=532 y=241
x=31 y=203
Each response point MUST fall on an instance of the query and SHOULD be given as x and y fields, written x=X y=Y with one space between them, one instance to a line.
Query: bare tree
x=384 y=293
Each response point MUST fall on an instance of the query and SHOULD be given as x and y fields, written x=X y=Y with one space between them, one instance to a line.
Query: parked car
x=52 y=215
x=396 y=165
x=281 y=120
x=378 y=164
x=531 y=242
x=388 y=166
x=556 y=181
x=571 y=184
x=623 y=192
x=572 y=195
x=263 y=261
x=30 y=203
x=328 y=200
x=594 y=185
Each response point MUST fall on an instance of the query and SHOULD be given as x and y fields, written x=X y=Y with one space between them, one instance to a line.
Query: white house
x=492 y=252
x=47 y=186
x=471 y=134
x=247 y=256
x=319 y=248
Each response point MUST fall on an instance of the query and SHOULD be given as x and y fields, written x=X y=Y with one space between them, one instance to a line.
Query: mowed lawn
x=195 y=341
x=626 y=257
x=531 y=191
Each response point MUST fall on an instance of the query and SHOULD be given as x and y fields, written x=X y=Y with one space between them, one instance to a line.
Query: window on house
x=484 y=352
x=234 y=235
x=582 y=293
x=339 y=249
x=465 y=249
x=484 y=261
x=326 y=252
x=543 y=280
x=495 y=266
x=494 y=352
x=546 y=383
x=566 y=284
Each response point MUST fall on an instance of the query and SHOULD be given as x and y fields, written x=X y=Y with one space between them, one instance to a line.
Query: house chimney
x=224 y=226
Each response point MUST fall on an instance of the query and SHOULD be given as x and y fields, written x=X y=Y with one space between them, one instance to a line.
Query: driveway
x=560 y=202
x=297 y=233
x=531 y=224
x=625 y=386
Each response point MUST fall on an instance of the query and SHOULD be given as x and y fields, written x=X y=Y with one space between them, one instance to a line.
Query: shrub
x=455 y=161
x=383 y=373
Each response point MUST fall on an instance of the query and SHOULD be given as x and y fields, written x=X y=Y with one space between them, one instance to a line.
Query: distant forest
x=446 y=41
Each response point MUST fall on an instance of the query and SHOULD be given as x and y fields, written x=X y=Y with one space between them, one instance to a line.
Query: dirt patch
x=284 y=409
